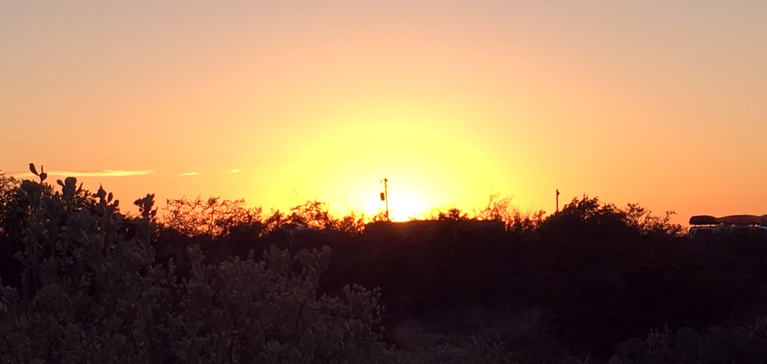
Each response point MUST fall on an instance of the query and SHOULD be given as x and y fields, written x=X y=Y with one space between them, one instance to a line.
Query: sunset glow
x=282 y=102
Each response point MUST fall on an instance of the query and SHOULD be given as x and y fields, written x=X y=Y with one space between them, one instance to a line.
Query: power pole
x=385 y=196
x=557 y=200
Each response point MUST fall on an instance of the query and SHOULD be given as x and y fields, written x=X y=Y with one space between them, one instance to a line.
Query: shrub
x=213 y=218
x=91 y=292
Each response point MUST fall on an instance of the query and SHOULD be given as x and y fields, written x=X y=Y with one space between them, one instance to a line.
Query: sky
x=660 y=103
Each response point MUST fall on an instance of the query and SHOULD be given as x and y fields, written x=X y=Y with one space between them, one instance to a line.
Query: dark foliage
x=88 y=287
x=599 y=274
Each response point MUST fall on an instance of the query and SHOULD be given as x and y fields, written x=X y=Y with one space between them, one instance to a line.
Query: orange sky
x=660 y=103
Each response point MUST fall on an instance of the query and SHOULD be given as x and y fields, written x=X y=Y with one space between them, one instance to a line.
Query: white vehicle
x=704 y=226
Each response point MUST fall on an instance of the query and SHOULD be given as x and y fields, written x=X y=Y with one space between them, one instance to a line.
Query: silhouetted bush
x=90 y=294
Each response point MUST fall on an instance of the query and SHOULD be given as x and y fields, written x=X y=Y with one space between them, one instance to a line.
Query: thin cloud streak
x=189 y=174
x=98 y=173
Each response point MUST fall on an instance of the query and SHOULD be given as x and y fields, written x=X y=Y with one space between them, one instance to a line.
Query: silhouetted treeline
x=599 y=273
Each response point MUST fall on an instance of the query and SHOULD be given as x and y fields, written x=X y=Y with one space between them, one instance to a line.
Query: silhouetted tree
x=583 y=220
x=212 y=218
x=8 y=204
x=454 y=214
x=646 y=223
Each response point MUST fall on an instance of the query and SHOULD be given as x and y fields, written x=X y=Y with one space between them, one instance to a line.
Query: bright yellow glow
x=406 y=208
x=403 y=206
x=428 y=165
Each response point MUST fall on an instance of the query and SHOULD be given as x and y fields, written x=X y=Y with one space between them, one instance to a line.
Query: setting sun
x=403 y=206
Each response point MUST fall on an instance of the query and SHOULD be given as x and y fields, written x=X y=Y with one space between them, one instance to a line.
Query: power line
x=14 y=162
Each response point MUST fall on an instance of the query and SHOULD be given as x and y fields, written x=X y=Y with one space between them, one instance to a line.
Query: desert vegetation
x=211 y=280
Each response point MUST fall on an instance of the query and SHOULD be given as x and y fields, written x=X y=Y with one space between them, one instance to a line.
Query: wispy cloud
x=189 y=174
x=96 y=173
x=235 y=170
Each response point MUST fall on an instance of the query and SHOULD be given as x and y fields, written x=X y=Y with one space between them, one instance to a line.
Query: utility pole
x=385 y=196
x=557 y=200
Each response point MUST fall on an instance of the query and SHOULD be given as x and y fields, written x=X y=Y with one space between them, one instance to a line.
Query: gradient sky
x=663 y=103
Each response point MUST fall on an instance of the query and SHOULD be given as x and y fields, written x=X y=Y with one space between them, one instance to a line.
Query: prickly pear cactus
x=633 y=349
x=730 y=341
x=753 y=350
x=652 y=358
x=711 y=353
x=687 y=343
